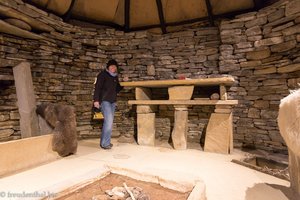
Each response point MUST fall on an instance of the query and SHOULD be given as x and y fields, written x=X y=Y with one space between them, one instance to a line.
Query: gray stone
x=268 y=70
x=151 y=70
x=269 y=114
x=26 y=100
x=250 y=64
x=146 y=129
x=255 y=30
x=243 y=45
x=258 y=55
x=292 y=8
x=254 y=113
x=8 y=49
x=268 y=41
x=282 y=27
x=34 y=23
x=18 y=23
x=231 y=32
x=284 y=46
x=232 y=25
x=206 y=32
x=3 y=117
x=256 y=22
x=292 y=30
x=298 y=38
x=4 y=133
x=179 y=133
x=289 y=68
x=276 y=15
x=13 y=30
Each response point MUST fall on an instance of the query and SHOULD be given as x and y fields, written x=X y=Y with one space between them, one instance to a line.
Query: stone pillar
x=145 y=118
x=146 y=129
x=219 y=136
x=179 y=133
x=26 y=100
x=223 y=92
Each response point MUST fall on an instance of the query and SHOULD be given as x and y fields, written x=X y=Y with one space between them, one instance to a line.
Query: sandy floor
x=224 y=179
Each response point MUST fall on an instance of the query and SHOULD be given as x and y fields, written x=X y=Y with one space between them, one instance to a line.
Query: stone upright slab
x=26 y=100
x=146 y=129
x=219 y=138
x=179 y=133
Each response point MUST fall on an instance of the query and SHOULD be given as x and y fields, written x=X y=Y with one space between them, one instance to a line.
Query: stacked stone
x=192 y=53
x=262 y=50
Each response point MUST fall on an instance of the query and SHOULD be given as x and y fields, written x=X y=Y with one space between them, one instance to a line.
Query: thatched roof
x=130 y=15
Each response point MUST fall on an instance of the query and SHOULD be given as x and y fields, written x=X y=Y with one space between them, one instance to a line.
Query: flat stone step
x=183 y=102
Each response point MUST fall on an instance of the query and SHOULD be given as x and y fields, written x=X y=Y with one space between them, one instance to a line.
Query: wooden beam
x=67 y=15
x=209 y=12
x=127 y=16
x=161 y=16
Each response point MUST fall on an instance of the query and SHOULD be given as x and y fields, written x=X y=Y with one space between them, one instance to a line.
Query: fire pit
x=125 y=184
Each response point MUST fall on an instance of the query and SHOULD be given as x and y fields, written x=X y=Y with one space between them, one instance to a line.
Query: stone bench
x=219 y=130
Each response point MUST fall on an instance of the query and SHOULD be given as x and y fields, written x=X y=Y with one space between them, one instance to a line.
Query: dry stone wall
x=261 y=49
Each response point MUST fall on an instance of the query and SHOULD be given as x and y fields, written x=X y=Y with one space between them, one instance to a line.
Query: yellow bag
x=97 y=114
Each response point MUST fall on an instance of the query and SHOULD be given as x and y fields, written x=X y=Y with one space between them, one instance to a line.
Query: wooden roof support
x=161 y=16
x=67 y=15
x=209 y=12
x=127 y=16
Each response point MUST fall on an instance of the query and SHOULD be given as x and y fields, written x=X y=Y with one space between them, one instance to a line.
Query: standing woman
x=106 y=89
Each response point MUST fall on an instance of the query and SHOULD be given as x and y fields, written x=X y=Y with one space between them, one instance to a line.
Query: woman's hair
x=111 y=62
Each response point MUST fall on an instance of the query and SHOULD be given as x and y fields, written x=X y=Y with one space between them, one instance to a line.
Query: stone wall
x=260 y=49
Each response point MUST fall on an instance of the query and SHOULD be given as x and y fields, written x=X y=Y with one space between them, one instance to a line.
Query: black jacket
x=106 y=87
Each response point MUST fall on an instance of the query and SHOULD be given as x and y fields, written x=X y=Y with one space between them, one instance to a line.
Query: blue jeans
x=108 y=111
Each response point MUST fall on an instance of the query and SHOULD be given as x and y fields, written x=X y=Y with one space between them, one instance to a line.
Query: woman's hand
x=97 y=104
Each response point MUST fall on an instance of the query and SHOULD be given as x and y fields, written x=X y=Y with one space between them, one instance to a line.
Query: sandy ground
x=224 y=180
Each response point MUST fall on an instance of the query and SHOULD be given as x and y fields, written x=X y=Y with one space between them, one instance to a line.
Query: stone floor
x=223 y=179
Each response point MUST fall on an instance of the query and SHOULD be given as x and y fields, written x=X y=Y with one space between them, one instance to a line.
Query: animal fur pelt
x=62 y=119
x=289 y=121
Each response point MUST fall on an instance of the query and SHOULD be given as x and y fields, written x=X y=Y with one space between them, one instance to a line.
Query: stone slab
x=13 y=30
x=34 y=23
x=180 y=92
x=184 y=102
x=143 y=93
x=25 y=153
x=26 y=100
x=146 y=129
x=179 y=133
x=219 y=137
x=228 y=81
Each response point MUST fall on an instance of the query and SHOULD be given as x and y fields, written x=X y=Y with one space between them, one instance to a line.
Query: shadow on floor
x=263 y=191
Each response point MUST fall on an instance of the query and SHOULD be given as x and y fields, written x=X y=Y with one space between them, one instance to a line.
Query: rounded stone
x=18 y=23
